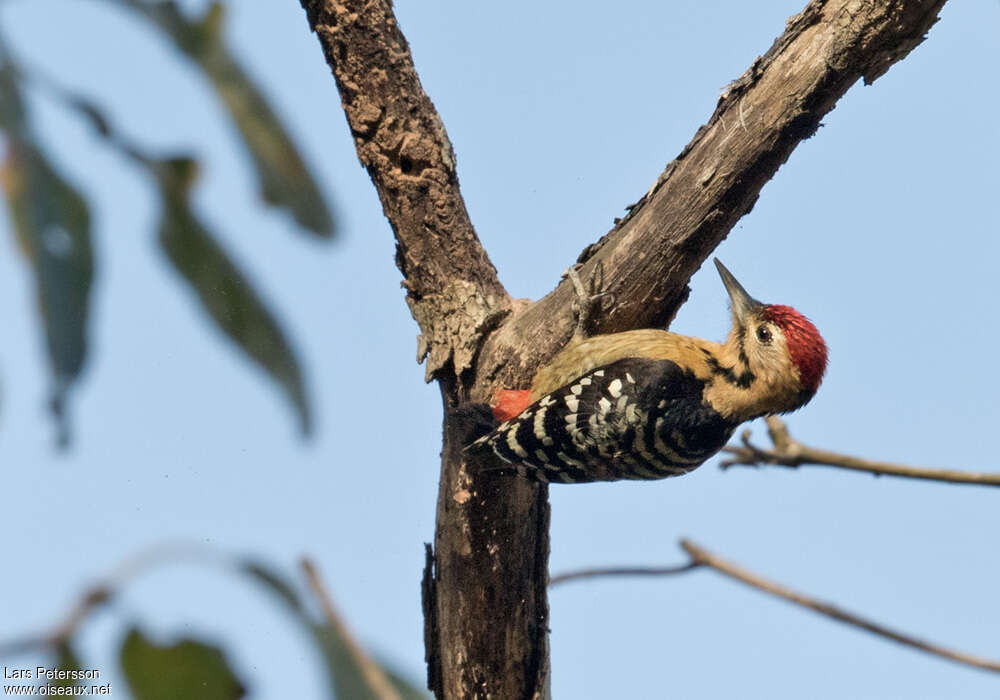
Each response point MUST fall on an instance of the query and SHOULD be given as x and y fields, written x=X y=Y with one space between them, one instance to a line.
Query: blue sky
x=882 y=228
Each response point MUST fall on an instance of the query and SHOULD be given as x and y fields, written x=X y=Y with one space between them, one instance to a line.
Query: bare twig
x=788 y=452
x=623 y=571
x=95 y=596
x=701 y=557
x=374 y=677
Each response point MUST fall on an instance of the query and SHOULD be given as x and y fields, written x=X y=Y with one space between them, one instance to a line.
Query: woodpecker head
x=780 y=347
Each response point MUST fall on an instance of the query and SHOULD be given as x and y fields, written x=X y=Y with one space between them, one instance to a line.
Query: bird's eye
x=764 y=334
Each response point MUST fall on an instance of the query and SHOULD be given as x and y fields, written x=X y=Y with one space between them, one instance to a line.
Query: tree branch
x=701 y=557
x=452 y=287
x=788 y=452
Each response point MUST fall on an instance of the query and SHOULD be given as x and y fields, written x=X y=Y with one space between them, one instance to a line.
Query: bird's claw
x=588 y=299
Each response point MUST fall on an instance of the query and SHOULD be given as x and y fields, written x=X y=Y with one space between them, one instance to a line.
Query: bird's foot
x=589 y=298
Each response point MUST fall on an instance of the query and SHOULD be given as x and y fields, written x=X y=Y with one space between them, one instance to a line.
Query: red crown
x=805 y=344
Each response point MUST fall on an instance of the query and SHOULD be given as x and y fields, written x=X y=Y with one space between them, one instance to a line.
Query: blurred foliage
x=186 y=669
x=67 y=660
x=194 y=669
x=224 y=292
x=283 y=176
x=350 y=671
x=52 y=222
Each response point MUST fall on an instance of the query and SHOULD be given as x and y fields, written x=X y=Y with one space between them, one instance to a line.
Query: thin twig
x=702 y=557
x=788 y=452
x=94 y=597
x=375 y=678
x=623 y=571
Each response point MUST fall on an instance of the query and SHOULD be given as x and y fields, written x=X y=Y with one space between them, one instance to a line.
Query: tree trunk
x=485 y=584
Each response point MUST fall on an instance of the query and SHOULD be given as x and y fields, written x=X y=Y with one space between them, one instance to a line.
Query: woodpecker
x=650 y=404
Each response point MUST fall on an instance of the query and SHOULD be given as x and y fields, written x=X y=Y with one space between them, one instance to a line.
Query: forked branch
x=788 y=452
x=486 y=589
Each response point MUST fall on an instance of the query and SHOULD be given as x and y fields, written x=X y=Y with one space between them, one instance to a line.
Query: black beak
x=744 y=305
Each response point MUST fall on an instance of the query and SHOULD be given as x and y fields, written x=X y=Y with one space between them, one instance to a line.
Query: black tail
x=472 y=421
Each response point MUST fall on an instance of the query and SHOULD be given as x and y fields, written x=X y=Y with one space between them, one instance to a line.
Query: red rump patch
x=508 y=403
x=805 y=344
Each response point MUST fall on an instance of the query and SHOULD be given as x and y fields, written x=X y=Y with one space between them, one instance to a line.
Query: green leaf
x=12 y=114
x=224 y=292
x=52 y=223
x=283 y=177
x=188 y=669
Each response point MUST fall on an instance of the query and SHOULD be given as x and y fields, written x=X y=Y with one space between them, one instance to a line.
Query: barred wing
x=632 y=419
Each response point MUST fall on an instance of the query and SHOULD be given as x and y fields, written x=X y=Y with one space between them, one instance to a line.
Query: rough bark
x=484 y=588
